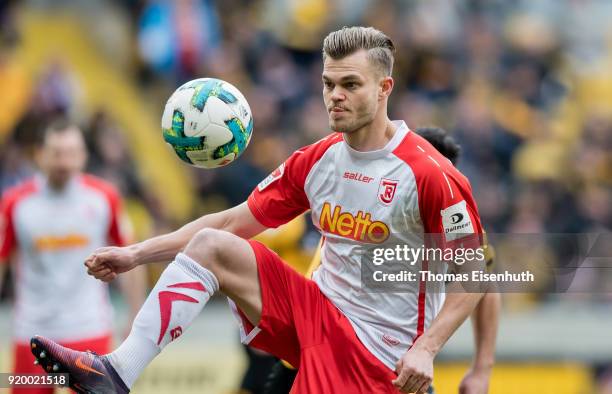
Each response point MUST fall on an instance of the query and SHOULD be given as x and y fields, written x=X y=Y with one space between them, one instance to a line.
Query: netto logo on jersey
x=359 y=227
x=54 y=242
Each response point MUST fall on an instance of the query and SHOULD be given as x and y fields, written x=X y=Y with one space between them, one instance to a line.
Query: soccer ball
x=207 y=122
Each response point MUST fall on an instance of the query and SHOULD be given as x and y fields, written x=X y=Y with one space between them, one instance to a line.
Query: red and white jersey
x=52 y=233
x=393 y=195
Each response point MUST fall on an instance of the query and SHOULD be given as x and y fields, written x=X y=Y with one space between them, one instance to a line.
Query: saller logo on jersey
x=359 y=227
x=456 y=221
x=276 y=174
x=357 y=176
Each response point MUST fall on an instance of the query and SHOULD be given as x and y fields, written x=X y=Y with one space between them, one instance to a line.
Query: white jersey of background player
x=49 y=225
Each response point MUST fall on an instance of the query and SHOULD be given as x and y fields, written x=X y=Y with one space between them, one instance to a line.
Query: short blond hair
x=348 y=40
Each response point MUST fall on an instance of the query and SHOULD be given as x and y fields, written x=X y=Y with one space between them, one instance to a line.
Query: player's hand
x=108 y=262
x=414 y=371
x=475 y=381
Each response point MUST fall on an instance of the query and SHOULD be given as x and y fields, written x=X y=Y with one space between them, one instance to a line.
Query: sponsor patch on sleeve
x=456 y=221
x=276 y=174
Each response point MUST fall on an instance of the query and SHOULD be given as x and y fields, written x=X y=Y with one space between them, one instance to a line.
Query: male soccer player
x=371 y=182
x=484 y=319
x=53 y=222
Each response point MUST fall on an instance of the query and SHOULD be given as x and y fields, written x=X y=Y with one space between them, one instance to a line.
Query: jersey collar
x=400 y=132
x=70 y=188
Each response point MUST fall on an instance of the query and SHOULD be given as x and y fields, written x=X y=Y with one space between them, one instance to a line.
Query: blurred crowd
x=523 y=86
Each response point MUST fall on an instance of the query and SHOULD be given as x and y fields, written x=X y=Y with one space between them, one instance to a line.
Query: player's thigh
x=233 y=262
x=283 y=294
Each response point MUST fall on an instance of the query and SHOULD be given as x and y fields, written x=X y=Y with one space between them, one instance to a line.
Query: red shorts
x=300 y=325
x=23 y=361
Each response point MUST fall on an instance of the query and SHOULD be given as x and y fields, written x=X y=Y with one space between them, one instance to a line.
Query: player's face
x=351 y=91
x=63 y=155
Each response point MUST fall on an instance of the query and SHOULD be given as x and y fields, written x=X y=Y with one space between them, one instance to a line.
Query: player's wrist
x=483 y=366
x=425 y=344
x=136 y=254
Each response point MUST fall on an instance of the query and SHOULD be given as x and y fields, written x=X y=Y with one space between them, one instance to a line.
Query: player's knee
x=206 y=248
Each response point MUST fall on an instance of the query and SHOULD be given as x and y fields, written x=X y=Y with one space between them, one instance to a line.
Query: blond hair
x=348 y=40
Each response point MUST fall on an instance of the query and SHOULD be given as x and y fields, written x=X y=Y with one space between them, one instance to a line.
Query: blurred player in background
x=485 y=319
x=49 y=225
x=355 y=182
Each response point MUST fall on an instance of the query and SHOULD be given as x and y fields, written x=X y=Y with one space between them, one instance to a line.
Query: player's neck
x=372 y=137
x=59 y=186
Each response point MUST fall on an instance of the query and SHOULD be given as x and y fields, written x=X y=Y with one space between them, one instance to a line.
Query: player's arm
x=457 y=306
x=484 y=323
x=238 y=220
x=275 y=201
x=450 y=221
x=416 y=366
x=106 y=263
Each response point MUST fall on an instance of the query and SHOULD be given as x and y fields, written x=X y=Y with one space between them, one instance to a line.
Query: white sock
x=178 y=297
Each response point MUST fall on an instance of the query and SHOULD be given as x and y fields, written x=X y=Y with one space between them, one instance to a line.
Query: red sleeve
x=448 y=210
x=446 y=205
x=8 y=238
x=281 y=197
x=7 y=230
x=116 y=233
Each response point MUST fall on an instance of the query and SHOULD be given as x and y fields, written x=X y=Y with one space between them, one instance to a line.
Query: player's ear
x=40 y=157
x=385 y=87
x=84 y=156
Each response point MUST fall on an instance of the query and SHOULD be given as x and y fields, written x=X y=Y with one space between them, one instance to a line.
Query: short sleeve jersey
x=50 y=234
x=398 y=194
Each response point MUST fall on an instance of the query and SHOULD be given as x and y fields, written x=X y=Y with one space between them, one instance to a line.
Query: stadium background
x=524 y=86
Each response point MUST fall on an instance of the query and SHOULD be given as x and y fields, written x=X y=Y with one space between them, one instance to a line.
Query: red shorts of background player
x=300 y=325
x=24 y=359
